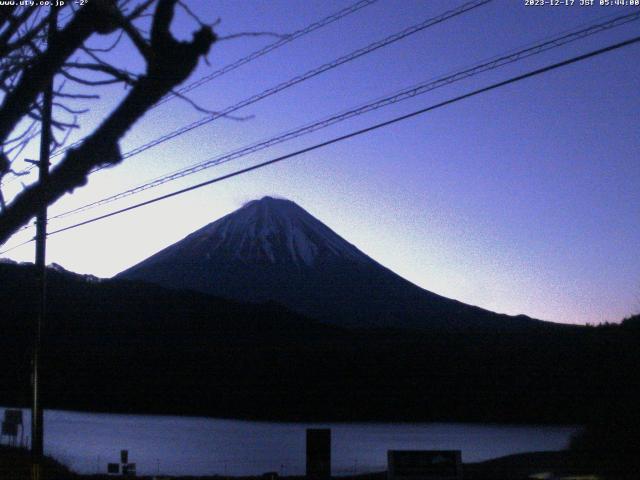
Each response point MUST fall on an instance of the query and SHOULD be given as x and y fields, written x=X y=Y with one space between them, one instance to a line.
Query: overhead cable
x=356 y=133
x=253 y=56
x=411 y=92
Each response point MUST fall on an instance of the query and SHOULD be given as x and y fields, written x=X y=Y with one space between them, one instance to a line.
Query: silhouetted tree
x=610 y=443
x=28 y=63
x=610 y=440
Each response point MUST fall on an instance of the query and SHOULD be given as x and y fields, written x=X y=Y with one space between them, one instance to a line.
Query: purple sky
x=521 y=200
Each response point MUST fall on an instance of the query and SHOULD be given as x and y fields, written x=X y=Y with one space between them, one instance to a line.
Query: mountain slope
x=273 y=250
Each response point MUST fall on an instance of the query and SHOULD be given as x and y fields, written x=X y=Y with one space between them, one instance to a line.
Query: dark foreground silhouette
x=15 y=464
x=131 y=347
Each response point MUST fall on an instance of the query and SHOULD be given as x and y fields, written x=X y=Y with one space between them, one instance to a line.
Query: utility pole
x=37 y=439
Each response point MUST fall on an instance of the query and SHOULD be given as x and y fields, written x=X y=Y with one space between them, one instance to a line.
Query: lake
x=173 y=445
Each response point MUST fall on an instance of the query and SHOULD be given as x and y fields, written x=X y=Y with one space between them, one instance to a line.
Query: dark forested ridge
x=114 y=345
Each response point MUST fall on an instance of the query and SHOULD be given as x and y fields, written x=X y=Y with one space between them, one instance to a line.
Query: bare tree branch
x=118 y=74
x=90 y=19
x=197 y=107
x=14 y=24
x=168 y=63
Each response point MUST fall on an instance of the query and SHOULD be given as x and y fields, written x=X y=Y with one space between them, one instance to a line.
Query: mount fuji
x=272 y=250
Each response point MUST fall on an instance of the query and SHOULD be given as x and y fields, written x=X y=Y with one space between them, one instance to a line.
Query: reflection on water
x=86 y=442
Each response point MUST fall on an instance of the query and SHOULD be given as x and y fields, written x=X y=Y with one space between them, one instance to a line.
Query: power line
x=310 y=74
x=361 y=131
x=17 y=246
x=295 y=80
x=271 y=47
x=253 y=56
x=424 y=87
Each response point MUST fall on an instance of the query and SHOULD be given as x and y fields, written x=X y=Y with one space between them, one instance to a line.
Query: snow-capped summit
x=271 y=230
x=271 y=249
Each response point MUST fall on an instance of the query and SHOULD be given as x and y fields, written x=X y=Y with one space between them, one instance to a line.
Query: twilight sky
x=522 y=200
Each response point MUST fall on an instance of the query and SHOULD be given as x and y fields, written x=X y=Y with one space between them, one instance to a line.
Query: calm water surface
x=86 y=442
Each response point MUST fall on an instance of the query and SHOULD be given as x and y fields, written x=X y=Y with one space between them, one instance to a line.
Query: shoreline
x=510 y=467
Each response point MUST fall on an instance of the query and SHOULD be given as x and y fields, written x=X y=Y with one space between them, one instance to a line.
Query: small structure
x=424 y=465
x=123 y=468
x=11 y=425
x=129 y=470
x=318 y=453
